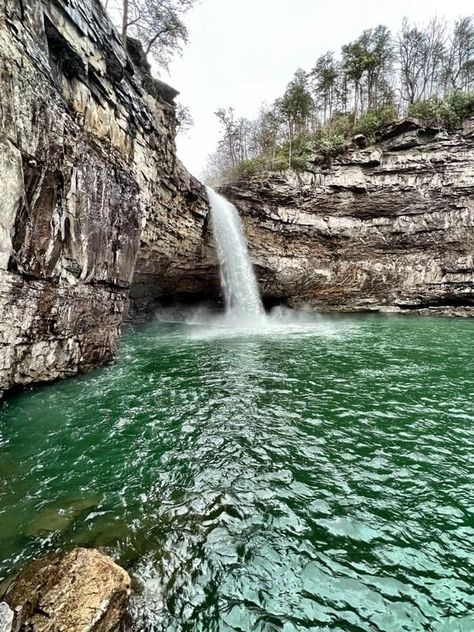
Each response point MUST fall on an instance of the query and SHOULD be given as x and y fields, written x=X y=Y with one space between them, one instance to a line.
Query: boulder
x=360 y=140
x=72 y=592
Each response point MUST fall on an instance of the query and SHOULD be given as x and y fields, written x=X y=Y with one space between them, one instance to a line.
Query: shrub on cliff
x=249 y=167
x=373 y=120
x=448 y=113
x=330 y=143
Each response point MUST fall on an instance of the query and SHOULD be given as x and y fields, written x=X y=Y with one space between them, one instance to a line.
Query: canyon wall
x=88 y=175
x=387 y=228
x=99 y=220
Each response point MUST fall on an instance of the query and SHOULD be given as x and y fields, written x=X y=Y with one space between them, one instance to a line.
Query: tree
x=267 y=133
x=378 y=65
x=421 y=54
x=295 y=108
x=229 y=140
x=367 y=64
x=325 y=75
x=459 y=61
x=184 y=119
x=158 y=24
x=353 y=63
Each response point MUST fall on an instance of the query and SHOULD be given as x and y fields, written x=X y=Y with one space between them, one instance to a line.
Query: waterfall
x=238 y=280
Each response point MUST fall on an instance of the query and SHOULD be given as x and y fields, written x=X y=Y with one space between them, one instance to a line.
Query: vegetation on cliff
x=158 y=24
x=422 y=71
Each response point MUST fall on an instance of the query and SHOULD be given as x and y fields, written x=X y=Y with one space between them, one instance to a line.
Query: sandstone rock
x=80 y=591
x=407 y=134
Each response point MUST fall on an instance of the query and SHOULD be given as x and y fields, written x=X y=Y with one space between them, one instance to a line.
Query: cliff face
x=95 y=208
x=88 y=175
x=390 y=228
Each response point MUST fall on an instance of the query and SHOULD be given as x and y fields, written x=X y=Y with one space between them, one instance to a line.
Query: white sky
x=244 y=52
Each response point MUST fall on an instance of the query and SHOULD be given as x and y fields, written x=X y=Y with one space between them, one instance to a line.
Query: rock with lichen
x=83 y=590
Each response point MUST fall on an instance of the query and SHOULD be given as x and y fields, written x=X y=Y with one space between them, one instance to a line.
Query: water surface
x=319 y=477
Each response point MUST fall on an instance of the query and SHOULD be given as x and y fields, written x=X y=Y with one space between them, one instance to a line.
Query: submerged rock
x=59 y=515
x=83 y=590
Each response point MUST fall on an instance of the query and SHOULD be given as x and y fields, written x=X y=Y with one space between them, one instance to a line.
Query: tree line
x=425 y=71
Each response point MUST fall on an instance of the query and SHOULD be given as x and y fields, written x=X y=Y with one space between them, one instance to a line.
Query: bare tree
x=229 y=139
x=184 y=119
x=158 y=24
x=421 y=53
x=267 y=133
x=459 y=60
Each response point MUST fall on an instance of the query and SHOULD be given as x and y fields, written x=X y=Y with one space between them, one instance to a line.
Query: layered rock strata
x=387 y=228
x=88 y=173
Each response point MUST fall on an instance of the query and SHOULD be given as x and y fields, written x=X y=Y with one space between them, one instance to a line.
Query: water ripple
x=312 y=478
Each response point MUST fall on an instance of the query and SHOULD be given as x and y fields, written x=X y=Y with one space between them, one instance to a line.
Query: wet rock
x=83 y=590
x=58 y=516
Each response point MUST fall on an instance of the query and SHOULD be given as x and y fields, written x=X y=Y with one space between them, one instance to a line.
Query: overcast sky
x=244 y=52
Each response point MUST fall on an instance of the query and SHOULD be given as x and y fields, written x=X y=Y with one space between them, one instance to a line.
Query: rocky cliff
x=96 y=213
x=387 y=228
x=90 y=189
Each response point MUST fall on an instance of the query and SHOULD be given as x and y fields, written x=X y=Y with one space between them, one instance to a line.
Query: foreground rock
x=80 y=591
x=88 y=174
x=387 y=228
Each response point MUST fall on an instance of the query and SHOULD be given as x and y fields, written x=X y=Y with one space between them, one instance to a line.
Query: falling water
x=238 y=281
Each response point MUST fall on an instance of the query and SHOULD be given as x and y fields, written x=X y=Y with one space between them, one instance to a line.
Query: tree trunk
x=356 y=101
x=125 y=22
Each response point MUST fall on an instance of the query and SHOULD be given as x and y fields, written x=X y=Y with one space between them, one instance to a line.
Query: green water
x=313 y=478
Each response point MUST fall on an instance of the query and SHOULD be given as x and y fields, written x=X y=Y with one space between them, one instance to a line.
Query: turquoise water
x=316 y=477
